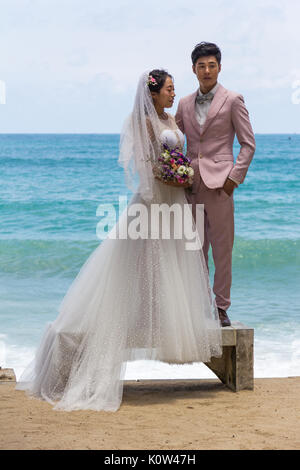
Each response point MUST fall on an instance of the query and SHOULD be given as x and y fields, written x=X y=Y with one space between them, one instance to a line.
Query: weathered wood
x=235 y=367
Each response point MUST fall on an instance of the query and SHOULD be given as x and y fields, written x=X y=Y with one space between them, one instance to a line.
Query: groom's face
x=207 y=70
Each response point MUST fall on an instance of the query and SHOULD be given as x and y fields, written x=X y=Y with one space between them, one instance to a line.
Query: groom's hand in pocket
x=229 y=186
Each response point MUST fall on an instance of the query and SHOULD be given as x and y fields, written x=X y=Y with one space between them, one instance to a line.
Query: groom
x=210 y=118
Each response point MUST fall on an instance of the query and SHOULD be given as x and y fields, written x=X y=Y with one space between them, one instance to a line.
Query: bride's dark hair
x=160 y=78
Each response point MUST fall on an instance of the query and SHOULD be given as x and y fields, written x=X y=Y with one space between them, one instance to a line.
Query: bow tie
x=202 y=98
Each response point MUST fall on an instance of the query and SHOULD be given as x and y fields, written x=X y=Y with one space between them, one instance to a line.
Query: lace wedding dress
x=132 y=299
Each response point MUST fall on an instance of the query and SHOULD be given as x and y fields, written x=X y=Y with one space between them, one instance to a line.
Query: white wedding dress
x=132 y=299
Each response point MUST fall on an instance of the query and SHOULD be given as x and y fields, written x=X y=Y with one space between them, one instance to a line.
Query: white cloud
x=72 y=50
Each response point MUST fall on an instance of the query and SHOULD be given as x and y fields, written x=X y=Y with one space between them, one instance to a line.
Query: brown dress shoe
x=224 y=319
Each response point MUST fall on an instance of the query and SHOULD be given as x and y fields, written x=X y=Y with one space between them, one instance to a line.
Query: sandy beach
x=155 y=414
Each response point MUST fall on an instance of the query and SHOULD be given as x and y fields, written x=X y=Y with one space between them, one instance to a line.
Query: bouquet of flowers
x=173 y=168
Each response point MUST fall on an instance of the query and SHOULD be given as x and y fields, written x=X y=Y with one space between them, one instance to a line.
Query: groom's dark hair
x=205 y=49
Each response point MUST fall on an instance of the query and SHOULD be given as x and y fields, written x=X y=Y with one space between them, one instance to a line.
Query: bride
x=134 y=298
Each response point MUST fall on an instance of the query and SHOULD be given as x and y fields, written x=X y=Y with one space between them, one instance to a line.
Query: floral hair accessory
x=151 y=81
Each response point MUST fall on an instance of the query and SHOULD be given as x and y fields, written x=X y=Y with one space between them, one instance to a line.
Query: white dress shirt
x=201 y=110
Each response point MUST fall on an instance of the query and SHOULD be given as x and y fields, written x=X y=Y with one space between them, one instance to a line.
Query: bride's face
x=166 y=95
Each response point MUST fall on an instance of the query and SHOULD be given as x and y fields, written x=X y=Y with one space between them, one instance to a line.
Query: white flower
x=190 y=171
x=165 y=156
x=181 y=170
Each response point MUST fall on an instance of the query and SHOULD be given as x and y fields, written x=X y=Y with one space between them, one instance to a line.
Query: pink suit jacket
x=211 y=146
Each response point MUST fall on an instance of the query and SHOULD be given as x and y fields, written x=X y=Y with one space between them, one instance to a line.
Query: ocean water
x=50 y=189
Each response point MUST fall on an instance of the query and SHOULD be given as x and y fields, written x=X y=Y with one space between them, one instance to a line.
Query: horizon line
x=118 y=133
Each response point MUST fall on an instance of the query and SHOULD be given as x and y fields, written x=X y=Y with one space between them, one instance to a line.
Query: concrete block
x=7 y=375
x=235 y=367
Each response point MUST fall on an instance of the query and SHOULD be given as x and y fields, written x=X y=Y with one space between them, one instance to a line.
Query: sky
x=73 y=65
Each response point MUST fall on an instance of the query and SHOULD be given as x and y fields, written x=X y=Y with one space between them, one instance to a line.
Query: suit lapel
x=216 y=104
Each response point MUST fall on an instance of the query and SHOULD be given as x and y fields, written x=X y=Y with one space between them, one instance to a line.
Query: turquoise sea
x=50 y=188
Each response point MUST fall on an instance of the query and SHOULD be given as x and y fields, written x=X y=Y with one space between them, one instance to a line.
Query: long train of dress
x=144 y=298
x=132 y=299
